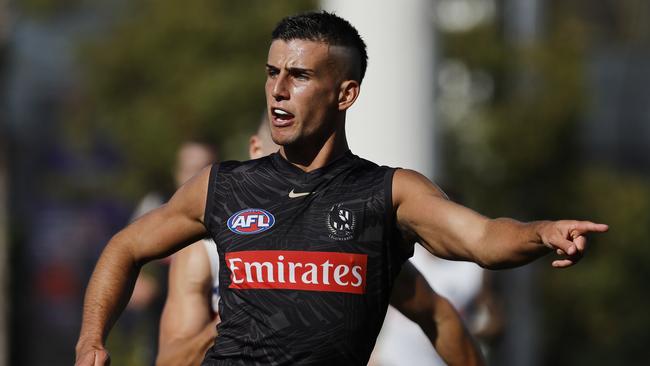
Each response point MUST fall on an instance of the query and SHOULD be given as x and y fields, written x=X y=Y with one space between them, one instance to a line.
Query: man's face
x=191 y=158
x=302 y=89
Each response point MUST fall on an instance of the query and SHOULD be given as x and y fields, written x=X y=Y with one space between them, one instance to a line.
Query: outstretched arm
x=449 y=230
x=187 y=325
x=413 y=297
x=155 y=235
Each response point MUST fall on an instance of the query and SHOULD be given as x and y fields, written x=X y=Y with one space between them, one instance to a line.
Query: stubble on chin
x=283 y=139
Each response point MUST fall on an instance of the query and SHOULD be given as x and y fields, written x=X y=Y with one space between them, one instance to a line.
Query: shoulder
x=367 y=171
x=410 y=184
x=189 y=198
x=360 y=162
x=408 y=176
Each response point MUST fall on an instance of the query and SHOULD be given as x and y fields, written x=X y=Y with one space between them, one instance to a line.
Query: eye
x=272 y=72
x=300 y=75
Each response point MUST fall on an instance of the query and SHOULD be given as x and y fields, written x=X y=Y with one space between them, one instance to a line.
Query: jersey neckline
x=283 y=165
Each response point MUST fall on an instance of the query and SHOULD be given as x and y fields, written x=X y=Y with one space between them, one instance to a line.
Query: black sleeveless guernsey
x=307 y=260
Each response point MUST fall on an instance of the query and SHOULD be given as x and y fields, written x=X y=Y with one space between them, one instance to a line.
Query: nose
x=280 y=91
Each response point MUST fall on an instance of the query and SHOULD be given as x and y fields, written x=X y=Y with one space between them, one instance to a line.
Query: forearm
x=452 y=231
x=452 y=341
x=507 y=243
x=108 y=292
x=186 y=351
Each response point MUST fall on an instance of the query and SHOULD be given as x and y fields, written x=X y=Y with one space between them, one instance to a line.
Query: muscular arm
x=449 y=230
x=413 y=297
x=187 y=325
x=155 y=235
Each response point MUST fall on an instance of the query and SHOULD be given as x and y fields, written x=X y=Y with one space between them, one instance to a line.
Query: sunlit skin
x=307 y=81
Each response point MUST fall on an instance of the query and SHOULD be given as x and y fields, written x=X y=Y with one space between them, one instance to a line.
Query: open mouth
x=281 y=117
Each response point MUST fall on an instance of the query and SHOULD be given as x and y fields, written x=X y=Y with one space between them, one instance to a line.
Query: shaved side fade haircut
x=327 y=28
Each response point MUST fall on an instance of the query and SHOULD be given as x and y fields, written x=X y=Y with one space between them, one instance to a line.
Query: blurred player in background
x=135 y=337
x=401 y=342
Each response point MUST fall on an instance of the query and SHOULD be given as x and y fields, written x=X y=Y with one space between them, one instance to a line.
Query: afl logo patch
x=250 y=221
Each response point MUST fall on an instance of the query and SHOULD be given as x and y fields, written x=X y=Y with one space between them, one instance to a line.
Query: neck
x=313 y=155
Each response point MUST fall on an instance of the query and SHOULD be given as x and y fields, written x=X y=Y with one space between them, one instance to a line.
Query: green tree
x=520 y=152
x=169 y=71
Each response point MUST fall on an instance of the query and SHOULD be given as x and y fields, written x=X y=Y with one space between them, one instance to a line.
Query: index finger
x=588 y=226
x=562 y=263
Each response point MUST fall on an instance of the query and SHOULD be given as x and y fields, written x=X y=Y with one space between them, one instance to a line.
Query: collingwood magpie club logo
x=341 y=223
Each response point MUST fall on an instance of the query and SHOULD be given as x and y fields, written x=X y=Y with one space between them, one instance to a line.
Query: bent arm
x=155 y=235
x=187 y=325
x=436 y=316
x=451 y=231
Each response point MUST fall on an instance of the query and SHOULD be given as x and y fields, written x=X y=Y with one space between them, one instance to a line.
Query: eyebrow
x=292 y=70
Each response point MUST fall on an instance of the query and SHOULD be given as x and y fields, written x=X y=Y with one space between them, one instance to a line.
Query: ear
x=255 y=147
x=348 y=93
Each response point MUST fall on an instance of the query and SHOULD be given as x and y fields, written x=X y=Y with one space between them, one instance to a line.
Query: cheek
x=300 y=91
x=267 y=87
x=314 y=96
x=327 y=100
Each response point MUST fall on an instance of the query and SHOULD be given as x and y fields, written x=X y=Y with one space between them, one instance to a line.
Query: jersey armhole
x=209 y=204
x=392 y=233
x=389 y=214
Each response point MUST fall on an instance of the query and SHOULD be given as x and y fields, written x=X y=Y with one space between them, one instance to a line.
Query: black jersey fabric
x=307 y=260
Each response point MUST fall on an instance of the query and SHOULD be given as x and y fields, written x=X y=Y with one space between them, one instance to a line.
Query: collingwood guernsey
x=307 y=260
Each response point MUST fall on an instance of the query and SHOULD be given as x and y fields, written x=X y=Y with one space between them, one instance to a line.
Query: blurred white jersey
x=213 y=256
x=402 y=342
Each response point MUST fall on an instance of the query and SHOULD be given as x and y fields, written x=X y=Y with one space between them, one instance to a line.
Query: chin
x=283 y=140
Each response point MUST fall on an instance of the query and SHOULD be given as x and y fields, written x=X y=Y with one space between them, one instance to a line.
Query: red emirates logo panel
x=298 y=270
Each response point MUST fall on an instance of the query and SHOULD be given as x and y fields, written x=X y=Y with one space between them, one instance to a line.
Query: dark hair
x=323 y=27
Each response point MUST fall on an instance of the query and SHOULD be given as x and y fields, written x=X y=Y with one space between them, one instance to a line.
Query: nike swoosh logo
x=293 y=194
